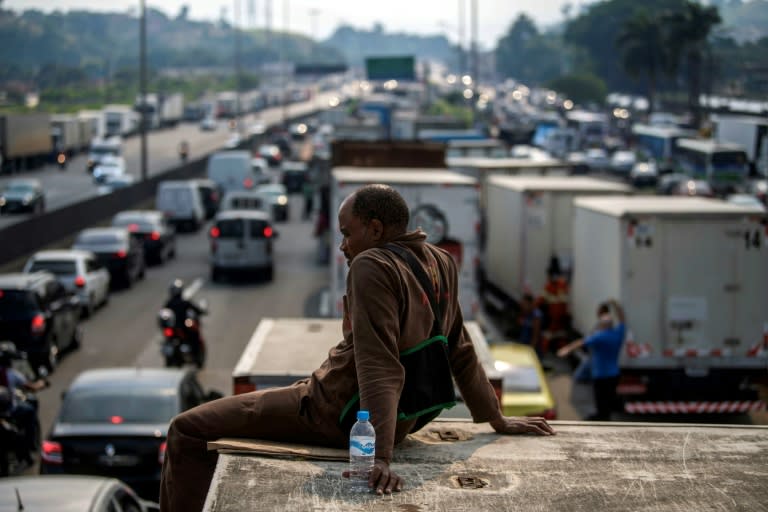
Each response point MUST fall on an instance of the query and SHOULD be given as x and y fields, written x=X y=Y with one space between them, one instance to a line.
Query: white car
x=276 y=196
x=745 y=200
x=78 y=271
x=597 y=159
x=622 y=162
x=109 y=167
x=208 y=124
x=644 y=174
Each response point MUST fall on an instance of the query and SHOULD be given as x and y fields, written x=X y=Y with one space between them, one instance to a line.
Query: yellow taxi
x=524 y=387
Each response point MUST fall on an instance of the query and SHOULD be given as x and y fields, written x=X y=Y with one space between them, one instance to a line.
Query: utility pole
x=236 y=27
x=283 y=64
x=143 y=88
x=461 y=63
x=475 y=59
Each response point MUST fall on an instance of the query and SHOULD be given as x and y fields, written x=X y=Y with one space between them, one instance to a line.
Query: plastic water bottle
x=362 y=452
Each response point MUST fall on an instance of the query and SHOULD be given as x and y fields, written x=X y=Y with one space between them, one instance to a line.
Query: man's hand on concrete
x=382 y=479
x=522 y=425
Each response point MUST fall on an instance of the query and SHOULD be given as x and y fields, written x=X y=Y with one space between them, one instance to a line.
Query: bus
x=723 y=165
x=660 y=143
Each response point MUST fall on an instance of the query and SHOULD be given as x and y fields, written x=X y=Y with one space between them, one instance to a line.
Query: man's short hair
x=381 y=202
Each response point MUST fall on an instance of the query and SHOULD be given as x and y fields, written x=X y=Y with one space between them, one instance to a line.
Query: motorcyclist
x=22 y=413
x=180 y=306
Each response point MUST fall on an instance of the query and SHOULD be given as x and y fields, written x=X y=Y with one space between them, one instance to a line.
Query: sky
x=319 y=18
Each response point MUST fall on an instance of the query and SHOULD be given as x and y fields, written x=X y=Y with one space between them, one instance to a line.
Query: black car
x=23 y=195
x=294 y=176
x=210 y=195
x=39 y=316
x=114 y=421
x=116 y=249
x=151 y=228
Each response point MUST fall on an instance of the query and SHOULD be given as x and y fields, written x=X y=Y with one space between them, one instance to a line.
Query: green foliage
x=452 y=107
x=581 y=88
x=526 y=55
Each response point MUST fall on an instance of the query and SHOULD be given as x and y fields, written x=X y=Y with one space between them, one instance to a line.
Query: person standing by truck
x=387 y=314
x=604 y=346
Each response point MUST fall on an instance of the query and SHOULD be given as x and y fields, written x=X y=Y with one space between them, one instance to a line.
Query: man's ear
x=377 y=229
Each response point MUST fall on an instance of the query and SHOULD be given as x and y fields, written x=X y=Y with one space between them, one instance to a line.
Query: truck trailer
x=66 y=134
x=442 y=203
x=751 y=132
x=25 y=141
x=528 y=222
x=691 y=275
x=119 y=120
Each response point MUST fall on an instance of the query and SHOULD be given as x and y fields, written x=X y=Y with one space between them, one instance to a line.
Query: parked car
x=210 y=195
x=117 y=250
x=114 y=421
x=242 y=240
x=39 y=316
x=108 y=167
x=70 y=493
x=271 y=153
x=294 y=176
x=276 y=198
x=80 y=272
x=151 y=228
x=525 y=391
x=23 y=195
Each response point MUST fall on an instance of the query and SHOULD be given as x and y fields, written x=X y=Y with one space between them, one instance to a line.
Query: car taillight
x=116 y=420
x=168 y=332
x=268 y=232
x=120 y=254
x=161 y=452
x=248 y=183
x=215 y=232
x=38 y=324
x=51 y=453
x=79 y=281
x=133 y=228
x=154 y=236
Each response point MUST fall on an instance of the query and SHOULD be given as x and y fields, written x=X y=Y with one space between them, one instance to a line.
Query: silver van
x=180 y=201
x=232 y=170
x=242 y=240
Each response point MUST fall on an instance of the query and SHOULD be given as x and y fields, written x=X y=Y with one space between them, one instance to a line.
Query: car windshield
x=98 y=238
x=56 y=267
x=521 y=379
x=119 y=406
x=15 y=300
x=272 y=191
x=20 y=187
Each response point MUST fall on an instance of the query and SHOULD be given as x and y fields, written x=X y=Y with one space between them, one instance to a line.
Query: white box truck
x=119 y=120
x=443 y=203
x=528 y=222
x=751 y=132
x=692 y=276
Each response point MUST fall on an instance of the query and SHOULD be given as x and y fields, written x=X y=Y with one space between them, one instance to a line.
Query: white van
x=242 y=240
x=232 y=170
x=181 y=203
x=247 y=200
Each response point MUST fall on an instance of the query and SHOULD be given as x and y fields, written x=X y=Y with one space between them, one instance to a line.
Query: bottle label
x=362 y=446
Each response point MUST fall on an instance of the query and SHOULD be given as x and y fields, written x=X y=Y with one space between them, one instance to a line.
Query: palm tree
x=687 y=40
x=641 y=40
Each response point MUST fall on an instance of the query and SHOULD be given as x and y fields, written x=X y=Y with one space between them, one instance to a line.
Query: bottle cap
x=363 y=415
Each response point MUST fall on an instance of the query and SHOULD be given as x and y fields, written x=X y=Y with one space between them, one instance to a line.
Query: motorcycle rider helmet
x=176 y=288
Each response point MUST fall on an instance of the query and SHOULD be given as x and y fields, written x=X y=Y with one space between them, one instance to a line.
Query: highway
x=75 y=183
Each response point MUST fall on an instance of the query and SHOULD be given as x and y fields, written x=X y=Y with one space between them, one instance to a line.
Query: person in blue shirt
x=604 y=346
x=530 y=324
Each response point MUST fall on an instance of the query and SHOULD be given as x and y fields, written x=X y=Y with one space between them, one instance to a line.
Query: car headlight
x=26 y=199
x=282 y=200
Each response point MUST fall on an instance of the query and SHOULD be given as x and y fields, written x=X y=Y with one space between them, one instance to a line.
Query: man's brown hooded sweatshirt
x=386 y=312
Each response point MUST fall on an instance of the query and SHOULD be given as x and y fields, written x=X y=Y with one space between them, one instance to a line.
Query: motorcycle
x=178 y=342
x=15 y=454
x=61 y=159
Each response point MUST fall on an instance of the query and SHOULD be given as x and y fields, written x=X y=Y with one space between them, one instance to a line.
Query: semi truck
x=25 y=141
x=527 y=224
x=119 y=120
x=66 y=134
x=691 y=275
x=442 y=203
x=750 y=132
x=460 y=466
x=161 y=111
